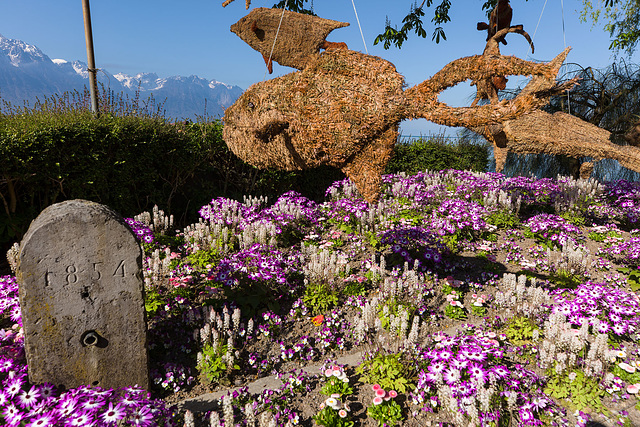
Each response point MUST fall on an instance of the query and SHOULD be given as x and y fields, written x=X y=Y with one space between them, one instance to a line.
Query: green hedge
x=435 y=153
x=129 y=163
x=132 y=162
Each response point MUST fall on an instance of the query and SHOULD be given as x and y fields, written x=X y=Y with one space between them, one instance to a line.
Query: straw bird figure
x=343 y=109
x=292 y=44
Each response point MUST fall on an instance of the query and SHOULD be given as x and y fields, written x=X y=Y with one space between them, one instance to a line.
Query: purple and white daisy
x=47 y=390
x=437 y=367
x=619 y=328
x=459 y=363
x=113 y=413
x=500 y=371
x=451 y=376
x=27 y=399
x=12 y=415
x=14 y=386
x=43 y=420
x=477 y=372
x=81 y=420
x=445 y=355
x=603 y=327
x=142 y=417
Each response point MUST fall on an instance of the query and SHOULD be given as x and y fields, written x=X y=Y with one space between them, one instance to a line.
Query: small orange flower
x=318 y=320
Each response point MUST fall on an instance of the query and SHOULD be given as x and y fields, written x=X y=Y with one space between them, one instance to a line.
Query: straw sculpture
x=343 y=109
x=305 y=35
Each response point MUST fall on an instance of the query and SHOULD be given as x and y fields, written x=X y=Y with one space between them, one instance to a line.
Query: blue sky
x=192 y=37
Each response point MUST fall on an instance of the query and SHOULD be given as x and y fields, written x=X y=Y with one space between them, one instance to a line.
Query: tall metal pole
x=88 y=35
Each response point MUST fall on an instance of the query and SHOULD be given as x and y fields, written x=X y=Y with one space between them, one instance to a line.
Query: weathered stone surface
x=81 y=294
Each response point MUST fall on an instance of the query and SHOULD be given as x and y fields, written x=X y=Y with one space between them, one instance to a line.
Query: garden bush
x=435 y=153
x=129 y=163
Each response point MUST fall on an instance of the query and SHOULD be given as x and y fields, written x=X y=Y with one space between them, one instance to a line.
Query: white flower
x=333 y=403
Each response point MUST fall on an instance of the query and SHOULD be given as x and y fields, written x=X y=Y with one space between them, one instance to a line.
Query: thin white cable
x=564 y=38
x=361 y=34
x=538 y=24
x=274 y=44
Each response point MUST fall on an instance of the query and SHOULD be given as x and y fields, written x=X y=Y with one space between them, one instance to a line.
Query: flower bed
x=473 y=298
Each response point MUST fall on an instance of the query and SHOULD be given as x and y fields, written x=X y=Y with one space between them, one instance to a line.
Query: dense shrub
x=435 y=153
x=128 y=163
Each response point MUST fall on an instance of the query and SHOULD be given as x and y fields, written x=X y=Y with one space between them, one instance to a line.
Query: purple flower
x=445 y=355
x=437 y=367
x=113 y=413
x=619 y=328
x=28 y=398
x=526 y=416
x=44 y=420
x=477 y=371
x=142 y=417
x=500 y=371
x=451 y=376
x=14 y=386
x=12 y=414
x=80 y=420
x=459 y=363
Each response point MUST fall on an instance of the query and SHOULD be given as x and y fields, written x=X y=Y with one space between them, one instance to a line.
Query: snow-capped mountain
x=27 y=74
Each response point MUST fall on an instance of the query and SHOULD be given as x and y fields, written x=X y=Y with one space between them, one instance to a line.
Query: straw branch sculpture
x=343 y=109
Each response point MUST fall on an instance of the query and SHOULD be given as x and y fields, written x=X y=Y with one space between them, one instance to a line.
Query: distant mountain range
x=26 y=74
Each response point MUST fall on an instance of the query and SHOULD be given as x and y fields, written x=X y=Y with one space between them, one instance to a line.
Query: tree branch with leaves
x=621 y=18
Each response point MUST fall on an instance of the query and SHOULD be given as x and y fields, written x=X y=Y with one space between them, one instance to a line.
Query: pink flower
x=628 y=368
x=393 y=393
x=377 y=400
x=328 y=373
x=381 y=393
x=633 y=389
x=376 y=387
x=342 y=413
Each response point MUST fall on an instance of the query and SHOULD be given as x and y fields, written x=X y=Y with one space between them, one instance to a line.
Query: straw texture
x=343 y=108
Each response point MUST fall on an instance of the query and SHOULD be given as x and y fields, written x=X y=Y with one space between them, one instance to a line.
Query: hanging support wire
x=275 y=39
x=564 y=38
x=538 y=24
x=359 y=26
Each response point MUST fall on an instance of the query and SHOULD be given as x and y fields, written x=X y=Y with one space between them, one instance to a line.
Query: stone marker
x=81 y=295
